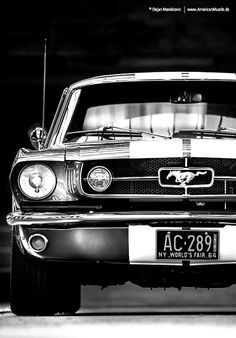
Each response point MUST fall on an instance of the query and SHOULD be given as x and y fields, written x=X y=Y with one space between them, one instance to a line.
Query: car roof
x=155 y=76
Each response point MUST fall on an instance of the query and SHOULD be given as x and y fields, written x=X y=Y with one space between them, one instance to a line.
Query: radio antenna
x=44 y=87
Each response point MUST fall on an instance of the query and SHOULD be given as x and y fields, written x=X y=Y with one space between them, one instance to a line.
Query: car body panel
x=83 y=244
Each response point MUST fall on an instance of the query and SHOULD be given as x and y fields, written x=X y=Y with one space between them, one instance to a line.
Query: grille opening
x=125 y=168
x=103 y=205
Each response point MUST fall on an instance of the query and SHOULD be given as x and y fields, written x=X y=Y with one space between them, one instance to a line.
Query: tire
x=42 y=288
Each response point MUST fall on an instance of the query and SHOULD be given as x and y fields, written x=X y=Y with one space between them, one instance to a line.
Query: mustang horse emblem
x=184 y=177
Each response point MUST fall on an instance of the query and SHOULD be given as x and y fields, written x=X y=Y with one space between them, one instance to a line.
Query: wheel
x=42 y=288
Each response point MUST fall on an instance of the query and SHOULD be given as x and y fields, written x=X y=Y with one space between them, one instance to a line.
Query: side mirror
x=37 y=137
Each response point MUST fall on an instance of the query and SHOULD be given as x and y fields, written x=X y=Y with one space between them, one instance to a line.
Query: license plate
x=187 y=244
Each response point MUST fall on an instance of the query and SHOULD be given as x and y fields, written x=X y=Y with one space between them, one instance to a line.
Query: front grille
x=216 y=189
x=222 y=167
x=146 y=167
x=140 y=176
x=141 y=188
x=136 y=167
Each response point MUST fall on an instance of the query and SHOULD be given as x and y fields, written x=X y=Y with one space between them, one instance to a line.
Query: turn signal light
x=38 y=242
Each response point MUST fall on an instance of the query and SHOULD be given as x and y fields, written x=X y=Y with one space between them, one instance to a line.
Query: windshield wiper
x=115 y=128
x=104 y=133
x=110 y=132
x=222 y=132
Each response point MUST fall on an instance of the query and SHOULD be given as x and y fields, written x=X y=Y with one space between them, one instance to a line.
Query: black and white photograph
x=118 y=166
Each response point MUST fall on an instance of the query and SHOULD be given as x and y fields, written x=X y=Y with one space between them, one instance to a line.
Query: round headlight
x=99 y=178
x=37 y=181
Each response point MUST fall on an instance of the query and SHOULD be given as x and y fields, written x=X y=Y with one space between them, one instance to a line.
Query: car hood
x=210 y=148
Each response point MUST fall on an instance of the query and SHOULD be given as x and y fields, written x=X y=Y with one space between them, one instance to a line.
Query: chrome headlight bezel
x=41 y=170
x=108 y=179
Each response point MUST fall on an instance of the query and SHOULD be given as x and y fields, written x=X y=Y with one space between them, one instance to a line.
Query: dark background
x=87 y=38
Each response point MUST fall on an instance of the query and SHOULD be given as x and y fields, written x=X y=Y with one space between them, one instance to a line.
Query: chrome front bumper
x=62 y=219
x=117 y=237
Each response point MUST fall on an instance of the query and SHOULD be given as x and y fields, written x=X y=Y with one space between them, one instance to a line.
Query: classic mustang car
x=135 y=181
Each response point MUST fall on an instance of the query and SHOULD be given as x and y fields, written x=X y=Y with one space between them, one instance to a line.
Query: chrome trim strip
x=50 y=218
x=154 y=76
x=225 y=178
x=131 y=178
x=148 y=178
x=136 y=178
x=162 y=197
x=70 y=180
x=53 y=154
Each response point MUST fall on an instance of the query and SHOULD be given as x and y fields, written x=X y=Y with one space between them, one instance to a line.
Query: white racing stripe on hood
x=156 y=149
x=163 y=148
x=213 y=148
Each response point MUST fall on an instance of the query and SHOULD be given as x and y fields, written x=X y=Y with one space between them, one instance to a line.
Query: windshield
x=156 y=109
x=162 y=118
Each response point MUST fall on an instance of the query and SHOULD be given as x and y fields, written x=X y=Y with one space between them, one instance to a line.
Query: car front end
x=135 y=182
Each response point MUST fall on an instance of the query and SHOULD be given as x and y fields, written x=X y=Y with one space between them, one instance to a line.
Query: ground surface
x=130 y=311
